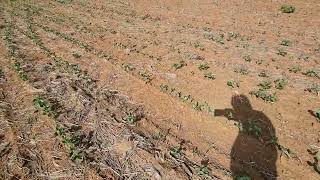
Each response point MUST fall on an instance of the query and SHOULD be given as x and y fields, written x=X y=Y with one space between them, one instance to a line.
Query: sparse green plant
x=314 y=88
x=164 y=87
x=280 y=83
x=295 y=69
x=145 y=76
x=232 y=35
x=311 y=73
x=198 y=45
x=179 y=65
x=273 y=140
x=250 y=127
x=42 y=103
x=287 y=8
x=22 y=74
x=72 y=141
x=131 y=118
x=219 y=38
x=231 y=83
x=176 y=152
x=304 y=57
x=285 y=42
x=187 y=98
x=247 y=58
x=77 y=155
x=203 y=66
x=264 y=95
x=198 y=106
x=203 y=171
x=128 y=67
x=59 y=131
x=76 y=54
x=242 y=70
x=159 y=136
x=281 y=52
x=209 y=75
x=246 y=38
x=264 y=74
x=265 y=84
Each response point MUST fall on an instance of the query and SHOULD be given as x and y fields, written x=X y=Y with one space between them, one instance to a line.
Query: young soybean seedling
x=59 y=131
x=311 y=73
x=251 y=128
x=247 y=58
x=265 y=84
x=285 y=42
x=231 y=83
x=314 y=88
x=280 y=83
x=198 y=106
x=76 y=55
x=176 y=152
x=179 y=65
x=242 y=70
x=145 y=76
x=43 y=104
x=203 y=66
x=295 y=69
x=281 y=52
x=287 y=9
x=131 y=118
x=264 y=73
x=264 y=95
x=203 y=171
x=128 y=67
x=209 y=75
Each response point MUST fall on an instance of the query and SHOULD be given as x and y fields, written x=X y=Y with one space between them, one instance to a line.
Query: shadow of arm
x=228 y=113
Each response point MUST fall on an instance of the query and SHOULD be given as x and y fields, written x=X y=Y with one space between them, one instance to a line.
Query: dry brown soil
x=149 y=89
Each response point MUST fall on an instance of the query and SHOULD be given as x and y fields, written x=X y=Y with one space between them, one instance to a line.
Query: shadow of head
x=241 y=103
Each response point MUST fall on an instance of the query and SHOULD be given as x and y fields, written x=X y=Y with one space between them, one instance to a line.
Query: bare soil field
x=170 y=89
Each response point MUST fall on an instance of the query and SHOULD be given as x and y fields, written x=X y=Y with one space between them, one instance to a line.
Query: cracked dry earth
x=172 y=89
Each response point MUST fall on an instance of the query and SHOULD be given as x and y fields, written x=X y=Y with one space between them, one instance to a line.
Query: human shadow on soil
x=254 y=152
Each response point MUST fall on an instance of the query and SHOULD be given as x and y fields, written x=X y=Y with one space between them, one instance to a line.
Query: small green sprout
x=295 y=69
x=179 y=65
x=285 y=43
x=311 y=73
x=176 y=152
x=280 y=83
x=209 y=75
x=203 y=66
x=287 y=8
